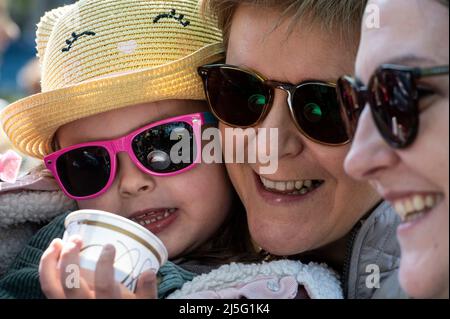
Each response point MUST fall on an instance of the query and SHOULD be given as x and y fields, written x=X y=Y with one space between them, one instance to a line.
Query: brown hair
x=230 y=243
x=345 y=16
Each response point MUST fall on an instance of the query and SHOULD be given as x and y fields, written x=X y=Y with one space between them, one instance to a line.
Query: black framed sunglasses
x=393 y=95
x=242 y=98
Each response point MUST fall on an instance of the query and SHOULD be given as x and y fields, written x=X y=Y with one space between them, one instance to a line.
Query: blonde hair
x=345 y=16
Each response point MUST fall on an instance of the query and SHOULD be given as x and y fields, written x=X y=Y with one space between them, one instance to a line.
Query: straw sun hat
x=100 y=55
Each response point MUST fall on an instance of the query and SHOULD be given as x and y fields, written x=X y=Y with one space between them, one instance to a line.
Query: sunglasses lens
x=317 y=112
x=236 y=97
x=393 y=106
x=84 y=171
x=166 y=148
x=350 y=106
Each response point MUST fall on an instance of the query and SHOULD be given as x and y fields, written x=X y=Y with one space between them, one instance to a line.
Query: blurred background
x=19 y=70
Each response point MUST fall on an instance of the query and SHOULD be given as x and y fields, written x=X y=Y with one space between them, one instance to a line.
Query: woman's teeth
x=415 y=206
x=299 y=187
x=153 y=217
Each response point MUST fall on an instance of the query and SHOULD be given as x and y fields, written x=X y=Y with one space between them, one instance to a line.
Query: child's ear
x=45 y=27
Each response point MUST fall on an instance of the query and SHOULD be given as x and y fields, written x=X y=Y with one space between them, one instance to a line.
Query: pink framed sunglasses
x=87 y=170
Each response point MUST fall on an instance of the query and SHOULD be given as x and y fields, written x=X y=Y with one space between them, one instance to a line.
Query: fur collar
x=237 y=280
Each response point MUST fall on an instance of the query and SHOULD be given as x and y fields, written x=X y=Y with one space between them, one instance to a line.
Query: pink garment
x=260 y=288
x=9 y=166
x=39 y=179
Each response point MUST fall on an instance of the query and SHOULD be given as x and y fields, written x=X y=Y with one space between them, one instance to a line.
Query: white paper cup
x=137 y=249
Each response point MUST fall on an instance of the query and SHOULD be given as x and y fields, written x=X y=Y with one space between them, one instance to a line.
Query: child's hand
x=54 y=279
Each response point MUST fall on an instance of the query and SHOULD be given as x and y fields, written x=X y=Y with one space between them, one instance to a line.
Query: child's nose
x=131 y=180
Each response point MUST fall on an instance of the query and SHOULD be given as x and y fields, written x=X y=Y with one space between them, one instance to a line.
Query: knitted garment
x=22 y=279
x=22 y=213
x=32 y=201
x=272 y=280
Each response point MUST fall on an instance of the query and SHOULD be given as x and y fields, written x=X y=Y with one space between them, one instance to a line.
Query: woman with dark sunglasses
x=401 y=145
x=283 y=59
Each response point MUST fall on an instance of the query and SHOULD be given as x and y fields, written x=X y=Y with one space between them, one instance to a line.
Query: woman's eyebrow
x=411 y=60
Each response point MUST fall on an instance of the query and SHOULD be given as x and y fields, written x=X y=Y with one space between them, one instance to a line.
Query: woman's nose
x=369 y=155
x=131 y=180
x=279 y=117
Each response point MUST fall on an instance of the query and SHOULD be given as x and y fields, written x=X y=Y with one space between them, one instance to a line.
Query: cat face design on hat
x=100 y=55
x=87 y=38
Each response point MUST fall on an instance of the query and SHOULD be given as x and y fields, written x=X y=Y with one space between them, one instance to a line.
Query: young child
x=111 y=69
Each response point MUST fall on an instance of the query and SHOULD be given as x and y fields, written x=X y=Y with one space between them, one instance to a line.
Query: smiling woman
x=401 y=142
x=291 y=53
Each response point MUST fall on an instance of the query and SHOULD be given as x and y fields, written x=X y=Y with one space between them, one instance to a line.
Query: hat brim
x=30 y=123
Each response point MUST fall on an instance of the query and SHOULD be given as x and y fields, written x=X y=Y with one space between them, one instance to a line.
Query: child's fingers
x=49 y=273
x=73 y=285
x=147 y=286
x=105 y=285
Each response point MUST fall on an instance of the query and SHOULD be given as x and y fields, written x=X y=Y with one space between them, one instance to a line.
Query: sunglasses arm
x=208 y=118
x=438 y=70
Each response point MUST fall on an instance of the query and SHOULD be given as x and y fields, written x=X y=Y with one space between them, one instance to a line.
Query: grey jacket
x=375 y=251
